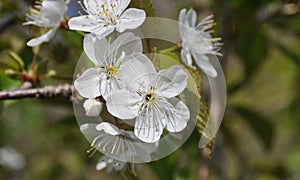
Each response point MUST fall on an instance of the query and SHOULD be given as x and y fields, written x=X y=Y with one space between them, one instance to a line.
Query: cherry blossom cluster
x=123 y=80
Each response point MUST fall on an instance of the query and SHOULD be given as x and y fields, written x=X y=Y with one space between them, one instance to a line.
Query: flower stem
x=174 y=48
x=33 y=62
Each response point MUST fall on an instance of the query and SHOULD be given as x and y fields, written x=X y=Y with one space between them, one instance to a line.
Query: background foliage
x=259 y=136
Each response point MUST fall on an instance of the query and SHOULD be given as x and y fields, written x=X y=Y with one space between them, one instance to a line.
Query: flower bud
x=92 y=107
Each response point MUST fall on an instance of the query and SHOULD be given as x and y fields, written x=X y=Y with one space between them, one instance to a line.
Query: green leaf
x=6 y=62
x=16 y=58
x=8 y=83
x=292 y=55
x=146 y=5
x=202 y=120
x=42 y=67
x=259 y=124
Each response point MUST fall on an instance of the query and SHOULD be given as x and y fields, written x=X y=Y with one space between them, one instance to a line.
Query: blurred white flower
x=108 y=59
x=116 y=143
x=150 y=97
x=12 y=159
x=104 y=16
x=197 y=41
x=47 y=14
x=92 y=107
x=110 y=164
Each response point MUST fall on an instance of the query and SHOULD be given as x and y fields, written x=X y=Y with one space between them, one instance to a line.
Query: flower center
x=149 y=97
x=105 y=11
x=110 y=70
x=109 y=12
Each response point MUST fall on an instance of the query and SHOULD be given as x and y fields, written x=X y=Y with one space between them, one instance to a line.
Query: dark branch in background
x=64 y=90
x=6 y=21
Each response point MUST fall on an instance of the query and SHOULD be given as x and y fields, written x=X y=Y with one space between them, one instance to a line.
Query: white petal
x=95 y=49
x=131 y=19
x=88 y=84
x=108 y=128
x=101 y=165
x=173 y=83
x=123 y=104
x=138 y=67
x=121 y=6
x=85 y=23
x=186 y=57
x=42 y=39
x=89 y=130
x=110 y=85
x=103 y=31
x=92 y=107
x=126 y=43
x=203 y=63
x=182 y=16
x=93 y=5
x=182 y=27
x=149 y=124
x=178 y=117
x=52 y=12
x=191 y=17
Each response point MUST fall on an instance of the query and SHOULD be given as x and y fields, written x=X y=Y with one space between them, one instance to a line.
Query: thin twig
x=203 y=171
x=6 y=21
x=64 y=90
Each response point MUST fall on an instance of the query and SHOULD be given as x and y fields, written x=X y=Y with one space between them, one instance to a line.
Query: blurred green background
x=258 y=138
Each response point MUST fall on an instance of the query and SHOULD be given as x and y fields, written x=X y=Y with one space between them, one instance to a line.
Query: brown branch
x=64 y=90
x=203 y=171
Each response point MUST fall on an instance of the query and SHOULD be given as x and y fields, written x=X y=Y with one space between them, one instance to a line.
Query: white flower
x=108 y=59
x=150 y=97
x=104 y=16
x=197 y=41
x=116 y=143
x=92 y=107
x=48 y=14
x=110 y=164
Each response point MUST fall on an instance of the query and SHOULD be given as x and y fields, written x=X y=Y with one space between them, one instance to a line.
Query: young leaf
x=6 y=62
x=146 y=5
x=260 y=125
x=16 y=58
x=202 y=120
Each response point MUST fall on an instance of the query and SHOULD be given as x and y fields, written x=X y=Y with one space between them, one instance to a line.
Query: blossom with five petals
x=117 y=144
x=108 y=59
x=150 y=97
x=104 y=16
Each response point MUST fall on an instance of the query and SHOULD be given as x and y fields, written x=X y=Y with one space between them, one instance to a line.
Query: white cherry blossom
x=150 y=97
x=197 y=41
x=110 y=164
x=117 y=144
x=47 y=14
x=104 y=16
x=108 y=59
